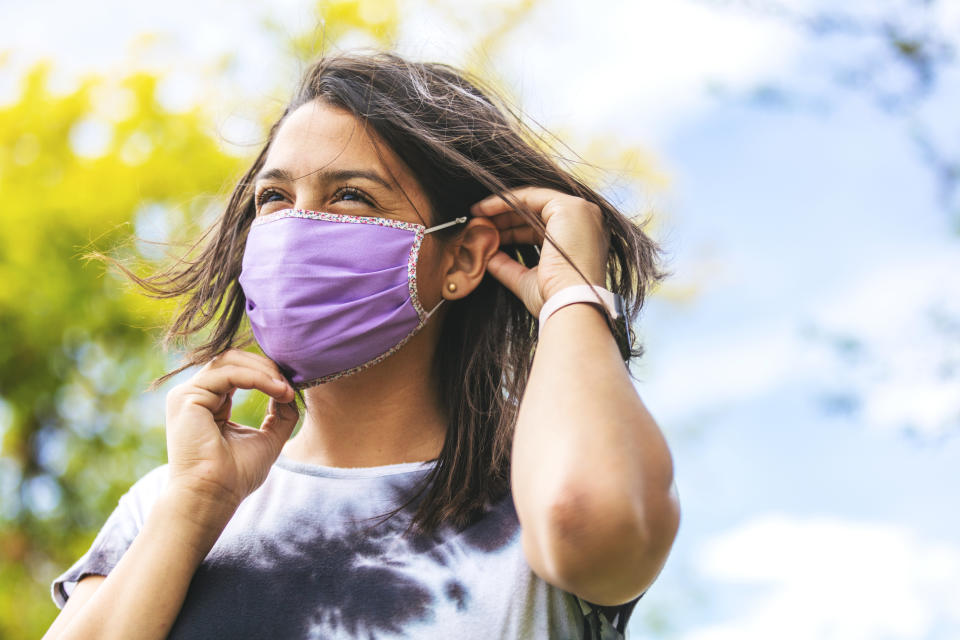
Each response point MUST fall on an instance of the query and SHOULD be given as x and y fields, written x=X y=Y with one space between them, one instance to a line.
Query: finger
x=536 y=198
x=509 y=272
x=247 y=358
x=508 y=219
x=521 y=235
x=280 y=421
x=226 y=408
x=220 y=380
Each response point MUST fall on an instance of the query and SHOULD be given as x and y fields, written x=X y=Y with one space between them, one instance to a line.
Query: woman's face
x=322 y=159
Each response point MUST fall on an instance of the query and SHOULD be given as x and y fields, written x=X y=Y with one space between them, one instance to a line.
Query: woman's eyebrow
x=283 y=175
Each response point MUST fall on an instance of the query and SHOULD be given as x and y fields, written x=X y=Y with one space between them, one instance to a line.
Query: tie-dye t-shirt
x=298 y=560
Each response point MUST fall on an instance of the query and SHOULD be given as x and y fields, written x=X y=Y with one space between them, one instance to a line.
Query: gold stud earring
x=451 y=286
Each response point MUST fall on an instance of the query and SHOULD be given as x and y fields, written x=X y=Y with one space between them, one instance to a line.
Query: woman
x=473 y=462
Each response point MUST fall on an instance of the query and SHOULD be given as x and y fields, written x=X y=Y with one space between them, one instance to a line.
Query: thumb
x=280 y=420
x=520 y=280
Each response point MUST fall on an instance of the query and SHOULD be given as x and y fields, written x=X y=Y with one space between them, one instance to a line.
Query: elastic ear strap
x=578 y=293
x=430 y=313
x=459 y=220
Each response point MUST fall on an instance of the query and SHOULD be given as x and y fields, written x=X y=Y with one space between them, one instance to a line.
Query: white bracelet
x=578 y=293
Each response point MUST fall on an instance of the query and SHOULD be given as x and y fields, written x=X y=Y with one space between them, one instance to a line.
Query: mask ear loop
x=459 y=220
x=430 y=313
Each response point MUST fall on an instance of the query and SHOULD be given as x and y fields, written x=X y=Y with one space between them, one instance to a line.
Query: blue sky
x=797 y=522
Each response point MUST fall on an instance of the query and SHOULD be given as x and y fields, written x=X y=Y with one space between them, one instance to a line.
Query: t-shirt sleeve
x=115 y=536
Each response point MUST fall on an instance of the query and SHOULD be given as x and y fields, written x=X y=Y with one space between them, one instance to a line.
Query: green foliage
x=82 y=171
x=368 y=22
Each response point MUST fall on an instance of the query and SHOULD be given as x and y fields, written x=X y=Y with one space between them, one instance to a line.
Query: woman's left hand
x=575 y=224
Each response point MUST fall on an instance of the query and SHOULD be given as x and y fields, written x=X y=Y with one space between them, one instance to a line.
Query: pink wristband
x=575 y=294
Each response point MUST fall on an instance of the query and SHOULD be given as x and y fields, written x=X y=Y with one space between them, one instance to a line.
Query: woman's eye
x=266 y=195
x=351 y=194
x=344 y=194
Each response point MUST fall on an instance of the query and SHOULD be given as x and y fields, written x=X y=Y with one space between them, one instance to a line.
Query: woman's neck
x=387 y=414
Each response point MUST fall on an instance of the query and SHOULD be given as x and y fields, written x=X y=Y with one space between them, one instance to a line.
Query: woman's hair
x=462 y=144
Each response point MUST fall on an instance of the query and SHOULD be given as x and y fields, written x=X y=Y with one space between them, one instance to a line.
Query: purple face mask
x=329 y=295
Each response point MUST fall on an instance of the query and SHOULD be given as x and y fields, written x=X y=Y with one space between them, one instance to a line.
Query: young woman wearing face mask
x=446 y=309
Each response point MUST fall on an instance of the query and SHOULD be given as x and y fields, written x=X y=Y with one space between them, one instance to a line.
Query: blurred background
x=801 y=159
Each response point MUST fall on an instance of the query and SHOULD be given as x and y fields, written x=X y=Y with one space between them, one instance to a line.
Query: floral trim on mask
x=360 y=367
x=337 y=217
x=412 y=275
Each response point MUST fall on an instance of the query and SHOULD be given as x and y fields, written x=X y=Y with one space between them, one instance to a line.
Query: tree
x=80 y=170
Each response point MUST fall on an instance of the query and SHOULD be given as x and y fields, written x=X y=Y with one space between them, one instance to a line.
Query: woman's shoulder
x=154 y=480
x=144 y=491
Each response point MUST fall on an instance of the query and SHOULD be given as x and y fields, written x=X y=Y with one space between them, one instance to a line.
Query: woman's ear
x=468 y=256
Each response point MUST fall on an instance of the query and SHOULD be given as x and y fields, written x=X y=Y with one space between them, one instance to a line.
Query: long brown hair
x=462 y=143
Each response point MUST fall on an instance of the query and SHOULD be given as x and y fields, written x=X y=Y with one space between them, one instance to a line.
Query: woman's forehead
x=317 y=135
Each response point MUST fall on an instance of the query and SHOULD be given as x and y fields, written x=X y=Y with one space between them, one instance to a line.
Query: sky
x=817 y=484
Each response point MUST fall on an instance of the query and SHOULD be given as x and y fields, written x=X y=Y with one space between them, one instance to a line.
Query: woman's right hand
x=211 y=455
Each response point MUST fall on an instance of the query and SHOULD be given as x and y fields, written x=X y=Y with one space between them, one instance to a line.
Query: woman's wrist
x=603 y=299
x=197 y=519
x=607 y=303
x=550 y=289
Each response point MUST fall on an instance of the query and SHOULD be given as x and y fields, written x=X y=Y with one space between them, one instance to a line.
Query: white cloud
x=644 y=65
x=832 y=578
x=926 y=404
x=710 y=370
x=672 y=49
x=904 y=377
x=884 y=303
x=908 y=375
